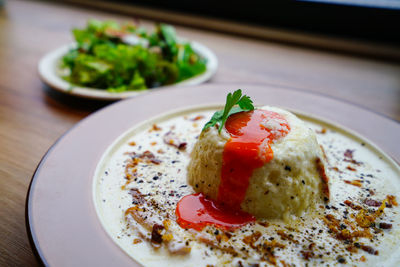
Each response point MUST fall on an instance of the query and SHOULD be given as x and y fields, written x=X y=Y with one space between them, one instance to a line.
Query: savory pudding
x=275 y=169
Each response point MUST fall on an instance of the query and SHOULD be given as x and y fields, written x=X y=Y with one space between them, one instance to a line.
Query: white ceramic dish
x=61 y=214
x=48 y=69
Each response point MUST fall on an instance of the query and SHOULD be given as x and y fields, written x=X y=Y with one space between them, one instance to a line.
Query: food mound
x=289 y=180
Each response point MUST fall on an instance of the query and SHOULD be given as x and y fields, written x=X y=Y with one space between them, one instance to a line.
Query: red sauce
x=247 y=149
x=195 y=211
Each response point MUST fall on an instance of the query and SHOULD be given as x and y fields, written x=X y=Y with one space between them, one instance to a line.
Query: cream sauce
x=166 y=182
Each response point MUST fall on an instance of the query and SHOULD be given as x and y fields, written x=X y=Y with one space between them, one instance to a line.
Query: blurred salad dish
x=124 y=57
x=122 y=60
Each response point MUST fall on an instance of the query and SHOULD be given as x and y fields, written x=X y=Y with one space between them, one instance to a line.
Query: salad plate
x=51 y=74
x=61 y=214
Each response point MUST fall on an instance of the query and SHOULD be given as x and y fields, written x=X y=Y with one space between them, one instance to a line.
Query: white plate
x=49 y=65
x=61 y=214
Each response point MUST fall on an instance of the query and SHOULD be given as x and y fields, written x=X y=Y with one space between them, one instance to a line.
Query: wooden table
x=33 y=116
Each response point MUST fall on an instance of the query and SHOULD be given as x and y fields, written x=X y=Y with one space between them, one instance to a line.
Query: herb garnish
x=244 y=104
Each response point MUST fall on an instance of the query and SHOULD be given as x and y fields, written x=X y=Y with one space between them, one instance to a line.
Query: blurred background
x=337 y=25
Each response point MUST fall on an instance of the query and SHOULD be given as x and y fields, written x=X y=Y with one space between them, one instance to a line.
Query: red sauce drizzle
x=247 y=149
x=195 y=211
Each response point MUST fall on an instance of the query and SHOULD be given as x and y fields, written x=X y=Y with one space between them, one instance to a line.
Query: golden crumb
x=137 y=241
x=357 y=183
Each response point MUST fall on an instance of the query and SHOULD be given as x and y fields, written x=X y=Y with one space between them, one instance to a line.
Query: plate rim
x=47 y=71
x=32 y=236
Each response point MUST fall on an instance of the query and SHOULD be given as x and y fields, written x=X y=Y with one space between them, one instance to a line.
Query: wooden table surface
x=32 y=116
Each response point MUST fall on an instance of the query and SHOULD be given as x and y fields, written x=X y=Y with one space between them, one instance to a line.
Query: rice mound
x=287 y=185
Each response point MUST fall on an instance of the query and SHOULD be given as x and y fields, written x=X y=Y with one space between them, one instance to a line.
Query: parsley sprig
x=244 y=104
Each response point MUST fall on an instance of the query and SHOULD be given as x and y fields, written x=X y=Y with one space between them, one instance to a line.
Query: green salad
x=122 y=58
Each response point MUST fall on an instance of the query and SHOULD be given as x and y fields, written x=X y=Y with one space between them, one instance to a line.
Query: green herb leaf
x=244 y=104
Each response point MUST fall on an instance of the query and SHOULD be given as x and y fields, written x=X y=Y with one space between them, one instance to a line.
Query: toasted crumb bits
x=155 y=127
x=265 y=224
x=392 y=200
x=198 y=117
x=172 y=139
x=372 y=203
x=351 y=168
x=352 y=205
x=357 y=183
x=369 y=250
x=156 y=236
x=383 y=225
x=307 y=255
x=137 y=241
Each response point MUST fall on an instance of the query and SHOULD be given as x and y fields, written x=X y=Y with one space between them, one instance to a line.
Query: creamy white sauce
x=377 y=172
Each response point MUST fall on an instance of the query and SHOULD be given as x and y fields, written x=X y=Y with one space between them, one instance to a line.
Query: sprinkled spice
x=172 y=139
x=198 y=117
x=357 y=183
x=155 y=127
x=355 y=225
x=137 y=241
x=348 y=157
x=383 y=225
x=156 y=236
x=340 y=259
x=372 y=203
x=369 y=250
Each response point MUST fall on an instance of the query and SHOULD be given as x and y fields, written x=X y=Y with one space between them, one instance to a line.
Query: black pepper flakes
x=340 y=259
